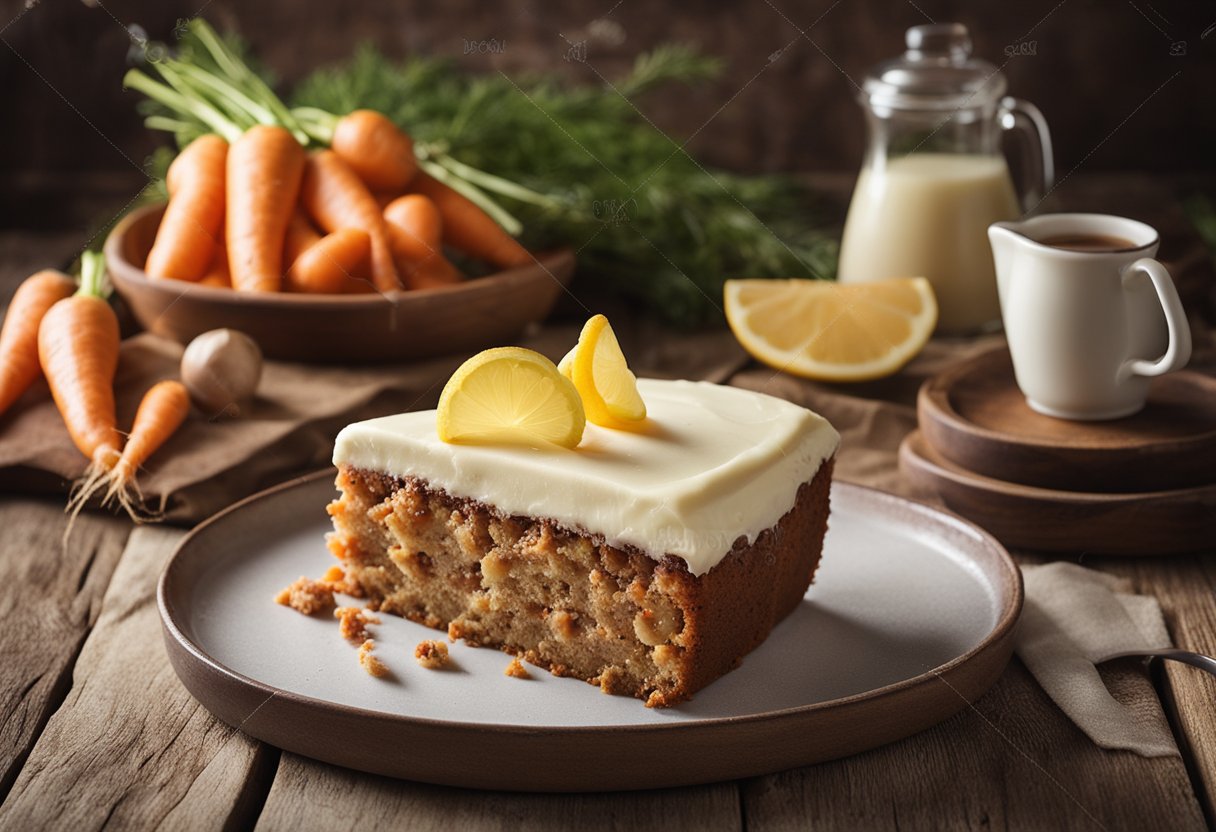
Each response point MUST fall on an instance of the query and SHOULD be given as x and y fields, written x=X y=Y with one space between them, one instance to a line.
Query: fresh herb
x=646 y=219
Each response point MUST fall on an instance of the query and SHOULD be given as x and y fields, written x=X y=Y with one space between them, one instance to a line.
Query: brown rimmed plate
x=911 y=618
x=395 y=326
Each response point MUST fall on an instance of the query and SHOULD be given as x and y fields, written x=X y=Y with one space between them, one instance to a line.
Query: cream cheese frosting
x=711 y=464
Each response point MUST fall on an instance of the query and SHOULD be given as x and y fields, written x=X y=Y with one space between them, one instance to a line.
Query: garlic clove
x=221 y=370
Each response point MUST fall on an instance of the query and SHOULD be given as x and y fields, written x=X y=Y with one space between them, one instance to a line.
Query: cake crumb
x=336 y=579
x=370 y=662
x=516 y=670
x=306 y=596
x=352 y=623
x=431 y=654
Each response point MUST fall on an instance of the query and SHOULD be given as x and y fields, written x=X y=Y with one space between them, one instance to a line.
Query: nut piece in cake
x=431 y=654
x=352 y=623
x=307 y=596
x=370 y=662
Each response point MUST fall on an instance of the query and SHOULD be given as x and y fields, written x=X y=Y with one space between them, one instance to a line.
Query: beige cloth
x=1073 y=620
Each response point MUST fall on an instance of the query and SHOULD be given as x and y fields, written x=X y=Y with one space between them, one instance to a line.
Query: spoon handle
x=1205 y=663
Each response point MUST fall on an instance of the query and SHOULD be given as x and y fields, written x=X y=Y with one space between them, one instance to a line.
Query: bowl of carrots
x=324 y=237
x=372 y=326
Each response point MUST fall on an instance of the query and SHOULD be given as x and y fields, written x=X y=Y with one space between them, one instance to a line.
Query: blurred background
x=1125 y=86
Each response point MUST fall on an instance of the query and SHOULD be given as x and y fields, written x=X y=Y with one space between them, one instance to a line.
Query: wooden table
x=96 y=731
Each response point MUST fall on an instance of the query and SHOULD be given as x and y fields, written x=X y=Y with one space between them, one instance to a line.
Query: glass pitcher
x=934 y=178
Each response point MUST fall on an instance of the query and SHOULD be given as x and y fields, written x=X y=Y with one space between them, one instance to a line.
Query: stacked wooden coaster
x=1142 y=485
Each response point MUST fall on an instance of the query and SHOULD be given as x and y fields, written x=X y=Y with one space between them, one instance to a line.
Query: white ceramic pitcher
x=1087 y=329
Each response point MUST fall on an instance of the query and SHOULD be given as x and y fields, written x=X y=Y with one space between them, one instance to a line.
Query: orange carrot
x=161 y=412
x=78 y=350
x=415 y=232
x=19 y=337
x=218 y=274
x=301 y=235
x=264 y=170
x=336 y=198
x=329 y=266
x=468 y=228
x=380 y=152
x=383 y=198
x=186 y=237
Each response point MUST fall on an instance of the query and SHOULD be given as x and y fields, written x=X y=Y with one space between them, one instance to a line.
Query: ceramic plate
x=394 y=326
x=910 y=618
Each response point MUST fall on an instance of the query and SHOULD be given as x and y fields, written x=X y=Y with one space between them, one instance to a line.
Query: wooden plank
x=50 y=597
x=130 y=748
x=1185 y=587
x=1013 y=761
x=311 y=795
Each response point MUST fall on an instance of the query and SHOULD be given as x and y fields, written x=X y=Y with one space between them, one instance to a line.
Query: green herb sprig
x=647 y=220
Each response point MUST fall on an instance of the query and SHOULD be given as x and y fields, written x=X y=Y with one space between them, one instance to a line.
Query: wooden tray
x=394 y=326
x=975 y=416
x=1146 y=523
x=910 y=618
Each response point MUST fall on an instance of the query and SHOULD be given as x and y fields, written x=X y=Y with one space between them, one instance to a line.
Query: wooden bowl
x=395 y=326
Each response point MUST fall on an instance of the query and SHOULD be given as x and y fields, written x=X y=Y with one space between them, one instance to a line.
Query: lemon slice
x=510 y=395
x=599 y=371
x=824 y=330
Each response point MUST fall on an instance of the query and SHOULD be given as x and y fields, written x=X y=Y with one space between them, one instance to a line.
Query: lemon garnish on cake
x=601 y=374
x=510 y=395
x=823 y=330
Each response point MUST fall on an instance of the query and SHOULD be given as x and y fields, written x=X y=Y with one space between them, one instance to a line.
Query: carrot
x=468 y=228
x=336 y=198
x=19 y=337
x=333 y=263
x=380 y=152
x=78 y=350
x=415 y=232
x=264 y=170
x=188 y=231
x=218 y=274
x=161 y=412
x=301 y=235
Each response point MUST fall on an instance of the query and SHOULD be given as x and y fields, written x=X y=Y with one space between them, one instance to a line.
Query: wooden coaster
x=1146 y=523
x=975 y=416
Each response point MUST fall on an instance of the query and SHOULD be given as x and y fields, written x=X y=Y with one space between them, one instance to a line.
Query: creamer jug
x=934 y=177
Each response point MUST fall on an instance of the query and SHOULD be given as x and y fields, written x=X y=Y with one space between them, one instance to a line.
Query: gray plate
x=909 y=619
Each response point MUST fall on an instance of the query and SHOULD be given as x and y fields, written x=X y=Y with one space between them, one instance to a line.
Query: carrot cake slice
x=645 y=561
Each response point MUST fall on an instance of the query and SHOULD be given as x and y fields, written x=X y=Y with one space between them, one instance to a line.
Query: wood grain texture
x=50 y=597
x=130 y=748
x=311 y=795
x=1144 y=523
x=1013 y=761
x=1185 y=587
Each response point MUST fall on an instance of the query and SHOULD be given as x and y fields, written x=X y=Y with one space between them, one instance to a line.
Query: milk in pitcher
x=927 y=214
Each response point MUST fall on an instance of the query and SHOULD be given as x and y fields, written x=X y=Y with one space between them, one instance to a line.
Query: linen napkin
x=1074 y=619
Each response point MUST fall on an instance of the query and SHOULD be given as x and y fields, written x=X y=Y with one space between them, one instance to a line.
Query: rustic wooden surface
x=96 y=731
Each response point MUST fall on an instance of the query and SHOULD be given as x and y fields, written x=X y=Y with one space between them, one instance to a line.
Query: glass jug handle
x=1014 y=113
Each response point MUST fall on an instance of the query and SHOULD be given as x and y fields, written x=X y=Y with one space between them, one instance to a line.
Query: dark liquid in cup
x=1088 y=242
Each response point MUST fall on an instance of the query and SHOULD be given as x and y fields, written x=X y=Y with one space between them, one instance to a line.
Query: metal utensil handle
x=1015 y=113
x=1205 y=663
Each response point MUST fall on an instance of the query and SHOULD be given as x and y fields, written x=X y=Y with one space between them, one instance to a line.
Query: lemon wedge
x=510 y=395
x=824 y=330
x=598 y=369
